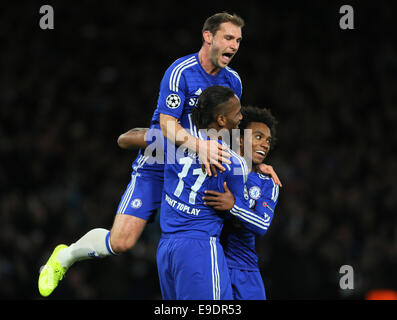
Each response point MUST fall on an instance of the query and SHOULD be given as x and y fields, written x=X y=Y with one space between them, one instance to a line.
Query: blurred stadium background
x=66 y=95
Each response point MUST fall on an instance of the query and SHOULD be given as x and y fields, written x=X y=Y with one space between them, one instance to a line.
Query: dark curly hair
x=255 y=114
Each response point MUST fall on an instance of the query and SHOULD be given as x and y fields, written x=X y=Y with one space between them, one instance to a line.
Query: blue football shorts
x=247 y=284
x=192 y=269
x=142 y=198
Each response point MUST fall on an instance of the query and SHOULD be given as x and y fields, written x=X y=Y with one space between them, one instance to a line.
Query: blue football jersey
x=180 y=87
x=183 y=209
x=239 y=242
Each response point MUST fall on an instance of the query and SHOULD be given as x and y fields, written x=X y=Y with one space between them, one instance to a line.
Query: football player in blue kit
x=239 y=247
x=182 y=83
x=190 y=259
x=238 y=242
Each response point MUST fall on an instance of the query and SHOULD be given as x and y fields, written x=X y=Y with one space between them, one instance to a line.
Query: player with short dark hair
x=238 y=242
x=180 y=87
x=257 y=120
x=190 y=258
x=205 y=113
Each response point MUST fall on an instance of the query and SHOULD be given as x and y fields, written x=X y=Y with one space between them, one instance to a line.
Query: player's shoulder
x=232 y=74
x=263 y=182
x=238 y=164
x=173 y=75
x=180 y=63
x=235 y=157
x=235 y=80
x=260 y=185
x=261 y=179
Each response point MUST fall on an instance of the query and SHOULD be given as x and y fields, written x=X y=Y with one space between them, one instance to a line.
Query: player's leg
x=137 y=207
x=94 y=244
x=100 y=243
x=97 y=243
x=125 y=232
x=247 y=285
x=138 y=204
x=201 y=270
x=165 y=269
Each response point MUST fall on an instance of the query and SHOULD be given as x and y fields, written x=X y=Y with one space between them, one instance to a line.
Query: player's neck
x=205 y=61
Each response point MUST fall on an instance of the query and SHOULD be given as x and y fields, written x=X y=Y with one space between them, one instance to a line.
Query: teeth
x=260 y=152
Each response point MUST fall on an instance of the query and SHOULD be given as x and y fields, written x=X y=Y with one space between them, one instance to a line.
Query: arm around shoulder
x=133 y=139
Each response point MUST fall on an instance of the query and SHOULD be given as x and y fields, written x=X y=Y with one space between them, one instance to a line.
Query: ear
x=220 y=120
x=207 y=36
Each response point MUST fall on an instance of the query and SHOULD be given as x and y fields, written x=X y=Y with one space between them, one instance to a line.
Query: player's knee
x=125 y=232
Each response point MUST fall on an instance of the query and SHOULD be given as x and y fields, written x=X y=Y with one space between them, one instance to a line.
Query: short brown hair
x=213 y=23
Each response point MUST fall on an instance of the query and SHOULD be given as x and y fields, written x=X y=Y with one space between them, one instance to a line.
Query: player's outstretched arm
x=209 y=151
x=267 y=169
x=133 y=139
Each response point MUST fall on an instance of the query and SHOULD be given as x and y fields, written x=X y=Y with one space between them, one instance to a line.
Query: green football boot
x=51 y=273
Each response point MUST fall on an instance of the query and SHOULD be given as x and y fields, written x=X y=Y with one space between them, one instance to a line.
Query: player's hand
x=212 y=152
x=212 y=168
x=222 y=201
x=267 y=169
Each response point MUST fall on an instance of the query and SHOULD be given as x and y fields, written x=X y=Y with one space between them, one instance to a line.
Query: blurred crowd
x=67 y=94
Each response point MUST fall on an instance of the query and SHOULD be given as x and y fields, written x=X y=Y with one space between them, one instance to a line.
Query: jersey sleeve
x=266 y=204
x=172 y=92
x=237 y=185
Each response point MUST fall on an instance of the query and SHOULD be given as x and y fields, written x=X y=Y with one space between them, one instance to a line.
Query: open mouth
x=261 y=153
x=226 y=57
